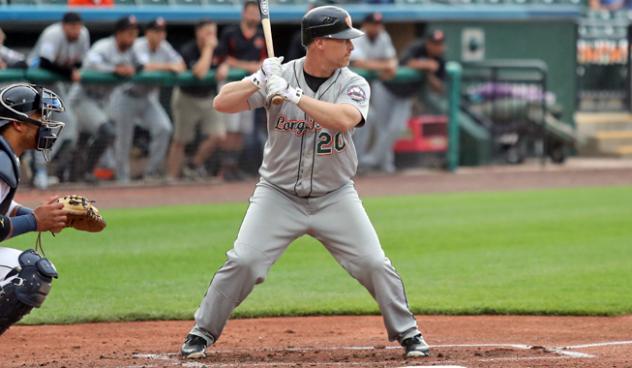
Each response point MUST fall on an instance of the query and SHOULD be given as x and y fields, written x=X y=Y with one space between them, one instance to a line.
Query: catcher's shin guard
x=25 y=281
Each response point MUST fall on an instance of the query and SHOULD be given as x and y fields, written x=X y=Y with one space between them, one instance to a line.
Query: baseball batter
x=306 y=182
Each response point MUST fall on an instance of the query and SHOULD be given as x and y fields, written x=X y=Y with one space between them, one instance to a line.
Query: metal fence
x=510 y=99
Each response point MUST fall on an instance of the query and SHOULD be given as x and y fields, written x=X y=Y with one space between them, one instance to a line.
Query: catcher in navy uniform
x=25 y=277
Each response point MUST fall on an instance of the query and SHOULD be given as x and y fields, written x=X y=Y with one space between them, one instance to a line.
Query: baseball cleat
x=194 y=347
x=416 y=347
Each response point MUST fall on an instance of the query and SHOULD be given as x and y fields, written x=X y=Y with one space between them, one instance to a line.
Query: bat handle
x=277 y=100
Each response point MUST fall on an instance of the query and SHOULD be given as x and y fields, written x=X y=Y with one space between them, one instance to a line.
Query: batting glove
x=269 y=67
x=272 y=66
x=277 y=86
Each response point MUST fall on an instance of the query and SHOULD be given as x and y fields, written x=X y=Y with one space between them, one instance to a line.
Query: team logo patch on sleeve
x=356 y=93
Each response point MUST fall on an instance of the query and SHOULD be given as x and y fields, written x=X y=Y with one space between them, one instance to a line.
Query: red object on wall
x=426 y=133
x=104 y=3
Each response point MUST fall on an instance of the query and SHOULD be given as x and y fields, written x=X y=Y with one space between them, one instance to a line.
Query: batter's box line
x=172 y=358
x=559 y=351
x=598 y=345
x=171 y=362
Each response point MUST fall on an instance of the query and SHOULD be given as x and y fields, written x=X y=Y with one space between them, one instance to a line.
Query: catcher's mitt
x=82 y=214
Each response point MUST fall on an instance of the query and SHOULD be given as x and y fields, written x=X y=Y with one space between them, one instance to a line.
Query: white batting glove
x=269 y=67
x=277 y=86
x=272 y=66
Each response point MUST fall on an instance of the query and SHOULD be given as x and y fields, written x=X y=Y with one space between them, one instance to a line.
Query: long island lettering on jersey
x=300 y=156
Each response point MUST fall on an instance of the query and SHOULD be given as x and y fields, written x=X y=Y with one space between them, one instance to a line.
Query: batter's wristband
x=294 y=95
x=258 y=79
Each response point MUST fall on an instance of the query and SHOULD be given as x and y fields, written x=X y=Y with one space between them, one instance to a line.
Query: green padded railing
x=454 y=105
x=187 y=79
x=162 y=78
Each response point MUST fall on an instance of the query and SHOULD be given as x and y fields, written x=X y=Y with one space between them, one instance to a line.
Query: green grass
x=527 y=252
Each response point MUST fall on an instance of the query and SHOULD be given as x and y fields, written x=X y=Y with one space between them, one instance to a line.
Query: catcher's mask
x=21 y=100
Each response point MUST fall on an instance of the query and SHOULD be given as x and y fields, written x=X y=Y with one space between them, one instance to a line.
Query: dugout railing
x=35 y=75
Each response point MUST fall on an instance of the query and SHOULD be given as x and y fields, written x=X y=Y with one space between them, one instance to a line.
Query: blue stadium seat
x=22 y=2
x=155 y=2
x=189 y=2
x=125 y=2
x=413 y=1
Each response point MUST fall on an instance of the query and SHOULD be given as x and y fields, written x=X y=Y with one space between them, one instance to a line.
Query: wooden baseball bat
x=267 y=33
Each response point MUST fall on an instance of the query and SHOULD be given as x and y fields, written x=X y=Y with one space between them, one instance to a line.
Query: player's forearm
x=162 y=67
x=336 y=117
x=64 y=71
x=201 y=68
x=16 y=209
x=14 y=226
x=107 y=68
x=376 y=65
x=249 y=66
x=233 y=97
x=420 y=64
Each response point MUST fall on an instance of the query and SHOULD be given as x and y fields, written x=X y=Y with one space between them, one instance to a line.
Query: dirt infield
x=579 y=174
x=476 y=341
x=487 y=341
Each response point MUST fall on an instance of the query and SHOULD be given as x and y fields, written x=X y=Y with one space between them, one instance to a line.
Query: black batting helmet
x=327 y=21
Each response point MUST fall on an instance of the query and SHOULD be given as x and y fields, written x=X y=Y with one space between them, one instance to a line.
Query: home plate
x=433 y=366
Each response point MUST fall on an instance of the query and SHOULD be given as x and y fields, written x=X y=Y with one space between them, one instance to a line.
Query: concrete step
x=590 y=123
x=601 y=117
x=610 y=141
x=603 y=134
x=624 y=151
x=606 y=144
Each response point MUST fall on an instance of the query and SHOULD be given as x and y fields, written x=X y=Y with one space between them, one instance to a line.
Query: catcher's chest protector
x=25 y=281
x=9 y=173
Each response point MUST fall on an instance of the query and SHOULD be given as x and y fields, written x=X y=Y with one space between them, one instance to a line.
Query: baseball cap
x=375 y=18
x=158 y=24
x=436 y=36
x=71 y=17
x=126 y=23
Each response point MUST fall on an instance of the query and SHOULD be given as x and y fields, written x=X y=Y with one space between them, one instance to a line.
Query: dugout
x=475 y=31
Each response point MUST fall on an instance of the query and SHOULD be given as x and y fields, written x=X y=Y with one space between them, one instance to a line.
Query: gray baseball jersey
x=54 y=46
x=379 y=49
x=306 y=188
x=9 y=56
x=300 y=156
x=104 y=56
x=164 y=54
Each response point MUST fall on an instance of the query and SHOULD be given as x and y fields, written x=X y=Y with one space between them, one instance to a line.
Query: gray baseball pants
x=128 y=110
x=338 y=220
x=389 y=116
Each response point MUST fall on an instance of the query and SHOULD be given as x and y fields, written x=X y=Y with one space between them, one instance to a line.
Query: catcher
x=25 y=124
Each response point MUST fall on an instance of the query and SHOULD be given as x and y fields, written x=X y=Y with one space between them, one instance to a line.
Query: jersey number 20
x=327 y=144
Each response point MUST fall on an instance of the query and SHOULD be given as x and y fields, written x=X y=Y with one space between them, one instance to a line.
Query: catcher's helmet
x=327 y=21
x=18 y=102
